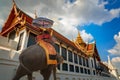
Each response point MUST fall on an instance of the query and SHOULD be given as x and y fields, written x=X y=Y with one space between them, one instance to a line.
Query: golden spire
x=35 y=14
x=79 y=39
x=13 y=1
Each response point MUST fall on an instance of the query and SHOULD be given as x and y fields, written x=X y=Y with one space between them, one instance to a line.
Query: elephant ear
x=59 y=59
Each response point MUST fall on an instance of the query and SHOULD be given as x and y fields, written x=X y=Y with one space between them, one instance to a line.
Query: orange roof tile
x=90 y=47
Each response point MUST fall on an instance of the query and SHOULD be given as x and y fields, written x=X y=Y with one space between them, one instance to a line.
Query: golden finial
x=14 y=6
x=35 y=14
x=79 y=34
x=13 y=2
x=79 y=38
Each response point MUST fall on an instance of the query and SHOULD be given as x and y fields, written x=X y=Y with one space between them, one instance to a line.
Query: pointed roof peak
x=109 y=61
x=14 y=4
x=108 y=57
x=79 y=38
x=13 y=1
x=35 y=14
x=78 y=34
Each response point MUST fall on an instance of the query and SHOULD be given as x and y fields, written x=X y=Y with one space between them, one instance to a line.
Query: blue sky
x=97 y=20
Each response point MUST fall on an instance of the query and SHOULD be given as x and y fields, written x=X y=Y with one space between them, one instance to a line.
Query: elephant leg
x=20 y=73
x=46 y=73
x=54 y=72
x=29 y=76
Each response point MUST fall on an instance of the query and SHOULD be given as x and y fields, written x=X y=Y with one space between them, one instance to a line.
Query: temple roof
x=79 y=42
x=15 y=17
x=89 y=49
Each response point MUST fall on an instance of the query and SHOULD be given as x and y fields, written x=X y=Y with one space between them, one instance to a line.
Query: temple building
x=81 y=60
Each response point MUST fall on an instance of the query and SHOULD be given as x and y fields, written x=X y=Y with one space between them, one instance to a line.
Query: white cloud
x=86 y=36
x=115 y=12
x=116 y=49
x=116 y=62
x=116 y=59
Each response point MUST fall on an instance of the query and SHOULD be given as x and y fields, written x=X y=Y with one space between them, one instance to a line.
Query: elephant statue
x=33 y=59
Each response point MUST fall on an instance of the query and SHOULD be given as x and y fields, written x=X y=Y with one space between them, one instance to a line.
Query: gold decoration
x=35 y=14
x=23 y=22
x=51 y=33
x=17 y=31
x=79 y=39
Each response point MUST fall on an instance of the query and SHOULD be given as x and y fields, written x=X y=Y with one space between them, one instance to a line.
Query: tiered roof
x=16 y=17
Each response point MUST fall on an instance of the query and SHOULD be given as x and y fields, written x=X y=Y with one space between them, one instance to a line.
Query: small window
x=77 y=69
x=57 y=47
x=71 y=68
x=75 y=58
x=31 y=40
x=85 y=70
x=64 y=53
x=94 y=72
x=80 y=60
x=81 y=69
x=88 y=71
x=84 y=61
x=87 y=62
x=65 y=67
x=70 y=56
